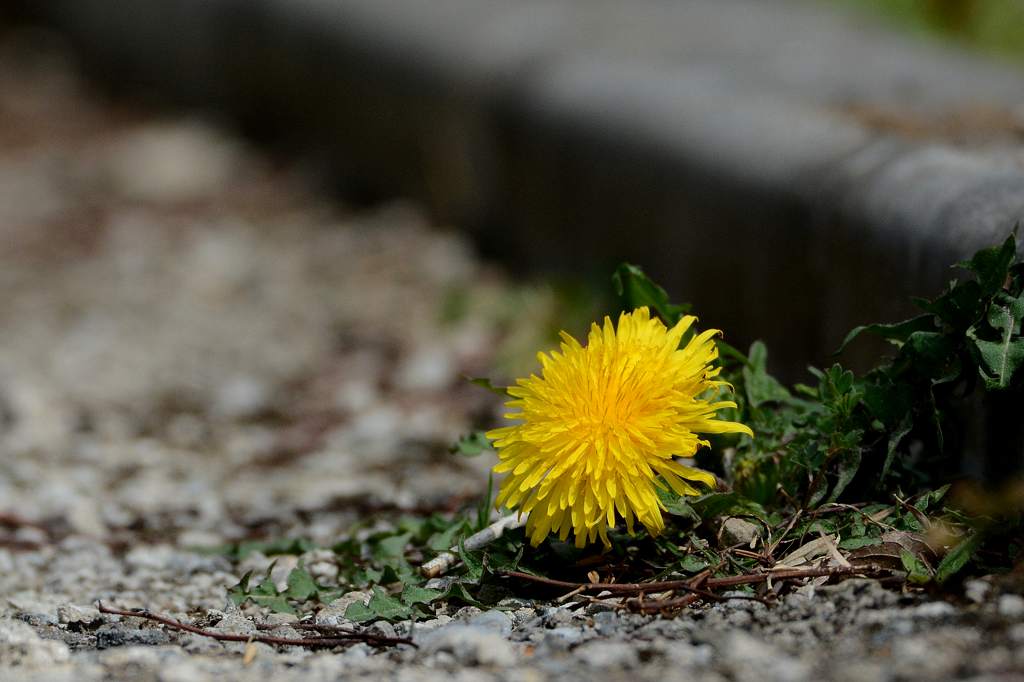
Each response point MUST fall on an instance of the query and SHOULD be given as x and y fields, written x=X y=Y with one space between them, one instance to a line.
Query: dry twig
x=338 y=638
x=14 y=521
x=708 y=585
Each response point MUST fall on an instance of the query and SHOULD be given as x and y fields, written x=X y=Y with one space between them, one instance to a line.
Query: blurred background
x=252 y=247
x=990 y=26
x=818 y=161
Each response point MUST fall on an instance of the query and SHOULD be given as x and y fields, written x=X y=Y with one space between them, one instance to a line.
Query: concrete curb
x=727 y=145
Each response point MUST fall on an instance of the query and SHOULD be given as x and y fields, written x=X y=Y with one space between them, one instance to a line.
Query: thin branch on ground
x=12 y=520
x=793 y=574
x=770 y=552
x=614 y=588
x=317 y=627
x=687 y=585
x=569 y=595
x=339 y=638
x=639 y=605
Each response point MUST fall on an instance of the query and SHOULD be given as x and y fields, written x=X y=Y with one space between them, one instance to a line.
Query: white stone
x=977 y=590
x=754 y=659
x=470 y=645
x=334 y=613
x=171 y=162
x=737 y=531
x=1011 y=605
x=21 y=646
x=241 y=397
x=934 y=609
x=427 y=368
x=182 y=671
x=70 y=614
x=496 y=621
x=604 y=654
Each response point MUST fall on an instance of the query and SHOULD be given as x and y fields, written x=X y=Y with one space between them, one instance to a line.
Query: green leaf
x=906 y=425
x=413 y=595
x=826 y=526
x=896 y=333
x=358 y=612
x=960 y=306
x=301 y=585
x=847 y=463
x=725 y=504
x=326 y=596
x=381 y=605
x=266 y=586
x=1006 y=313
x=414 y=525
x=369 y=575
x=930 y=498
x=992 y=265
x=636 y=290
x=918 y=572
x=446 y=539
x=484 y=382
x=857 y=543
x=760 y=386
x=933 y=355
x=395 y=572
x=241 y=550
x=472 y=445
x=692 y=563
x=840 y=379
x=392 y=547
x=240 y=592
x=500 y=558
x=276 y=603
x=388 y=607
x=958 y=557
x=888 y=400
x=676 y=505
x=817 y=490
x=936 y=417
x=1000 y=360
x=457 y=592
x=909 y=522
x=857 y=527
x=474 y=564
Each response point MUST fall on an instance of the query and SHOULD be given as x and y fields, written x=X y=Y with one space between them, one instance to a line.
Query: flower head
x=599 y=428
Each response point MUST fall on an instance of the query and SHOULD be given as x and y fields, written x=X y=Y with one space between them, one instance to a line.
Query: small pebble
x=1011 y=605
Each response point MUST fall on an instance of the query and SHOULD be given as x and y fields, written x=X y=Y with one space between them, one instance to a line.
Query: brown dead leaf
x=879 y=515
x=915 y=543
x=808 y=551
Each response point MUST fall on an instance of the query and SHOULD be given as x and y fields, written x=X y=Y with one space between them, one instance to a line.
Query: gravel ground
x=198 y=348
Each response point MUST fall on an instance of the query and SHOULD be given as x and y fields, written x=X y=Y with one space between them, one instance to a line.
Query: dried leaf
x=818 y=547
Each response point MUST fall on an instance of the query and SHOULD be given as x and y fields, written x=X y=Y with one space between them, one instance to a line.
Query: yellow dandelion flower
x=599 y=428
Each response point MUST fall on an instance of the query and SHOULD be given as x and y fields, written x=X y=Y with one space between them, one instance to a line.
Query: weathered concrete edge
x=569 y=163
